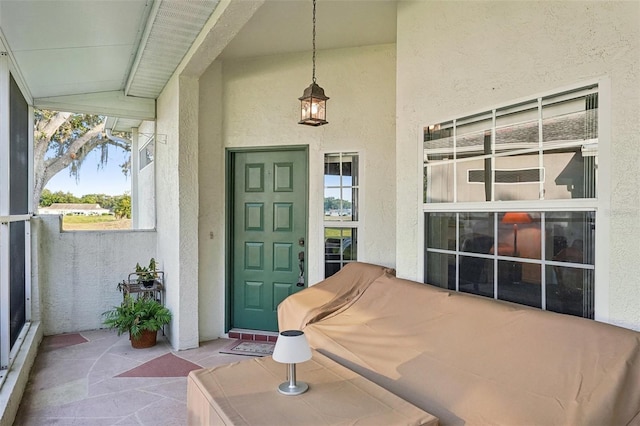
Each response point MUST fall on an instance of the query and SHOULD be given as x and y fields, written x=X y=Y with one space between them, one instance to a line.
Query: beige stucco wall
x=254 y=103
x=456 y=58
x=78 y=272
x=177 y=206
x=211 y=256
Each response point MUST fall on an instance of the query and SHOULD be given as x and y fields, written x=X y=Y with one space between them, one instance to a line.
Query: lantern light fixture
x=313 y=102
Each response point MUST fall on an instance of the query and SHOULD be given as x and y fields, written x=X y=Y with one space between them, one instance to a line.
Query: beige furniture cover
x=468 y=359
x=245 y=393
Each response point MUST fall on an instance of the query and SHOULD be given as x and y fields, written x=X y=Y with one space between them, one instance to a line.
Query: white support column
x=135 y=170
x=27 y=225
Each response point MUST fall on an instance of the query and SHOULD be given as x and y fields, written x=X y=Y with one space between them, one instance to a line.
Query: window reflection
x=500 y=254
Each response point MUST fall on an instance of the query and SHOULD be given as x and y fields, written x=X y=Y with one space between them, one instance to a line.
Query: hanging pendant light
x=313 y=102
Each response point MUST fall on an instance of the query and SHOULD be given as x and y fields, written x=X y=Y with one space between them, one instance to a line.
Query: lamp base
x=286 y=388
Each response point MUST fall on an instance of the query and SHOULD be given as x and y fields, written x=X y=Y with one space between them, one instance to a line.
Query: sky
x=109 y=180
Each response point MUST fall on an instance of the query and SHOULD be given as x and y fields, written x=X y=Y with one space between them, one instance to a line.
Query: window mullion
x=541 y=150
x=543 y=257
x=495 y=256
x=458 y=248
x=455 y=162
x=493 y=155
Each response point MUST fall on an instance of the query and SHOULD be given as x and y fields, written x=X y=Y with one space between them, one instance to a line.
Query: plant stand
x=133 y=286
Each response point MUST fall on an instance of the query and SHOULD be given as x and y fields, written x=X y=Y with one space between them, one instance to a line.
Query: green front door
x=268 y=233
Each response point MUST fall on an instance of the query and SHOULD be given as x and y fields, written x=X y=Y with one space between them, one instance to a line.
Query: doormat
x=249 y=347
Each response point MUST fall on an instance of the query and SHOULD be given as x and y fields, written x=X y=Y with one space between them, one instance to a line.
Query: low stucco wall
x=78 y=272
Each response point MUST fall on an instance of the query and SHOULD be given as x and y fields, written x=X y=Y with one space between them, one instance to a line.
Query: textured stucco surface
x=78 y=277
x=475 y=55
x=177 y=205
x=234 y=113
x=211 y=184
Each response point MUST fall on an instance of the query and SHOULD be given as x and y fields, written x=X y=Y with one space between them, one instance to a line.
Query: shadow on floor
x=97 y=378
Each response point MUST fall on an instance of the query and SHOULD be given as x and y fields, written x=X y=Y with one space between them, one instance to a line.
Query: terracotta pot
x=146 y=339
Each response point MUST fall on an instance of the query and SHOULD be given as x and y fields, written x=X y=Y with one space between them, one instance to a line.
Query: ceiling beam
x=113 y=104
x=224 y=24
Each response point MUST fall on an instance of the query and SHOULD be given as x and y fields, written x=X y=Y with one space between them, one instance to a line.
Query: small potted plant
x=142 y=317
x=147 y=274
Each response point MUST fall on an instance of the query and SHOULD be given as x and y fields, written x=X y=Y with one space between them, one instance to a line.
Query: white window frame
x=9 y=354
x=352 y=224
x=601 y=205
x=142 y=152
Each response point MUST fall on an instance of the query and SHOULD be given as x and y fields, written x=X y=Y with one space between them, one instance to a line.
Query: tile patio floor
x=97 y=378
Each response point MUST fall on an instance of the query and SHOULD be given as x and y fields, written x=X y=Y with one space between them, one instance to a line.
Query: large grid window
x=341 y=186
x=510 y=202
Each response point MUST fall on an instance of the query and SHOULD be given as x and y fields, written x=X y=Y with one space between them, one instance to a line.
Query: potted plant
x=142 y=317
x=147 y=274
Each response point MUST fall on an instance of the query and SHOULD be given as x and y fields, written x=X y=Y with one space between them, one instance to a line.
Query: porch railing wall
x=78 y=272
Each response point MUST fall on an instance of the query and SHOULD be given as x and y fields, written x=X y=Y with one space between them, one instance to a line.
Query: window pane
x=517 y=127
x=519 y=235
x=474 y=180
x=476 y=275
x=570 y=290
x=18 y=151
x=476 y=232
x=440 y=230
x=438 y=142
x=518 y=177
x=340 y=191
x=512 y=286
x=146 y=154
x=570 y=174
x=473 y=136
x=17 y=279
x=438 y=183
x=339 y=248
x=441 y=270
x=570 y=119
x=570 y=237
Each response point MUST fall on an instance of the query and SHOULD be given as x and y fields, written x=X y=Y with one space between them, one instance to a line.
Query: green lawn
x=97 y=223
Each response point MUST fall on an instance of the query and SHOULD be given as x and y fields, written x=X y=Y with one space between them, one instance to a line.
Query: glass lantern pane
x=317 y=109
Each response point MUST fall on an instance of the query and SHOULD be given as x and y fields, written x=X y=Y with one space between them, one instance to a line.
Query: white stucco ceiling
x=114 y=57
x=285 y=26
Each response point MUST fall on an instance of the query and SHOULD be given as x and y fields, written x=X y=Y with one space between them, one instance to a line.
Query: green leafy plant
x=146 y=273
x=137 y=314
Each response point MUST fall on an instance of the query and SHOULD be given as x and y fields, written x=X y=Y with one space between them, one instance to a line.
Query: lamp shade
x=516 y=217
x=291 y=347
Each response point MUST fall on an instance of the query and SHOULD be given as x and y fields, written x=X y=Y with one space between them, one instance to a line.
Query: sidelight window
x=341 y=187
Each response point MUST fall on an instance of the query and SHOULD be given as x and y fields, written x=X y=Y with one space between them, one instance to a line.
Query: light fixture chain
x=314 y=42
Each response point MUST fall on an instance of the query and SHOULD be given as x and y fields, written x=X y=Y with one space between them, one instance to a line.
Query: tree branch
x=51 y=126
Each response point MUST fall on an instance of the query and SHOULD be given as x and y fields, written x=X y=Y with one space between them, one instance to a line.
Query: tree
x=63 y=139
x=122 y=208
x=47 y=198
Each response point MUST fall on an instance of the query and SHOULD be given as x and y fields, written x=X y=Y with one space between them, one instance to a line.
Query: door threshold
x=256 y=335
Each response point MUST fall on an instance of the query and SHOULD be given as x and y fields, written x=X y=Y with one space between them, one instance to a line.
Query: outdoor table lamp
x=292 y=347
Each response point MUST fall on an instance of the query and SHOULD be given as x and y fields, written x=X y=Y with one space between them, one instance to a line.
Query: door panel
x=269 y=227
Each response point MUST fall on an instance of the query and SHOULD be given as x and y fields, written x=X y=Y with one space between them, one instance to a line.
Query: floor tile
x=75 y=381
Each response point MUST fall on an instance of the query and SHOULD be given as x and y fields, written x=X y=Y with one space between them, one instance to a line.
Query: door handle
x=300 y=282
